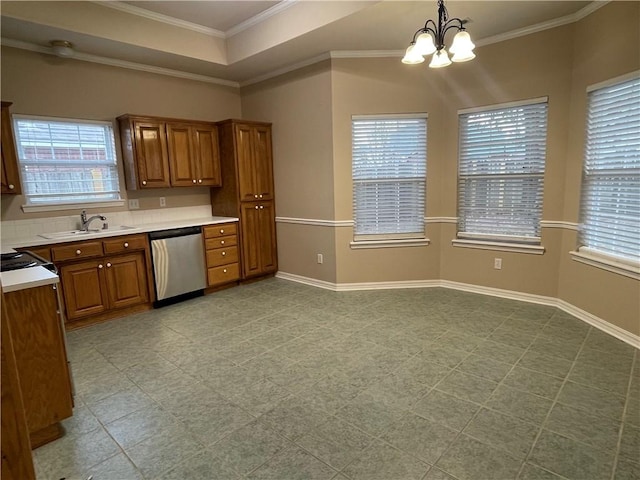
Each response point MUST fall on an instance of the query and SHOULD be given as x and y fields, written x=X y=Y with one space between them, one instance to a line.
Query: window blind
x=501 y=171
x=389 y=155
x=610 y=204
x=66 y=161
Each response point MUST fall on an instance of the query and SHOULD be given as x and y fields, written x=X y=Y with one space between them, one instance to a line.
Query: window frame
x=496 y=241
x=58 y=205
x=387 y=240
x=605 y=260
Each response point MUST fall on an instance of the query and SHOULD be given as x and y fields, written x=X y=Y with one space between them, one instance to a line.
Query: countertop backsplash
x=16 y=229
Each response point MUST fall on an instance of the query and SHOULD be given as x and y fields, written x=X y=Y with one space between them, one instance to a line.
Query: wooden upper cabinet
x=164 y=152
x=255 y=165
x=182 y=166
x=10 y=175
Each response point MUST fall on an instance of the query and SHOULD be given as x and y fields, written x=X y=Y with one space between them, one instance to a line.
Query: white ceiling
x=241 y=41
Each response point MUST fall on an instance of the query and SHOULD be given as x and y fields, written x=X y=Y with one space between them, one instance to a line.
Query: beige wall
x=606 y=45
x=40 y=84
x=299 y=106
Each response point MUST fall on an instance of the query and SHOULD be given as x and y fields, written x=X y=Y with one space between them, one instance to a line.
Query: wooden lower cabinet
x=258 y=239
x=221 y=245
x=41 y=360
x=96 y=286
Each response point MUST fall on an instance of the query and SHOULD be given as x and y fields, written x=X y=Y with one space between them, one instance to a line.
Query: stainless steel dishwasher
x=178 y=264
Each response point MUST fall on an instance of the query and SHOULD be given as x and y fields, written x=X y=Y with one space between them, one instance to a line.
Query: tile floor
x=277 y=380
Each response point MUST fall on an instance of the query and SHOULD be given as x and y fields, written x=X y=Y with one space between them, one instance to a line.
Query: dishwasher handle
x=175 y=232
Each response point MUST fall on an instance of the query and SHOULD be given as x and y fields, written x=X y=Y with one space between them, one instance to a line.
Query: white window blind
x=66 y=161
x=610 y=206
x=501 y=172
x=389 y=171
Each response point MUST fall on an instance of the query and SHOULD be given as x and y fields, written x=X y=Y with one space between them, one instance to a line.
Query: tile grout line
x=616 y=457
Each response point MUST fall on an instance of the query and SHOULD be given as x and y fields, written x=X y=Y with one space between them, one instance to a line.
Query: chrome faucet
x=85 y=222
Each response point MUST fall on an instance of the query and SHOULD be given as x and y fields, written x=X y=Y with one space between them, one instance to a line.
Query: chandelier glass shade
x=430 y=40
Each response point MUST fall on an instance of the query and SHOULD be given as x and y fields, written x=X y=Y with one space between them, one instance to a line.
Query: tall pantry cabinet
x=247 y=192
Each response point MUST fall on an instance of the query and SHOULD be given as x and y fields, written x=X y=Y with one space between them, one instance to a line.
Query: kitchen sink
x=83 y=233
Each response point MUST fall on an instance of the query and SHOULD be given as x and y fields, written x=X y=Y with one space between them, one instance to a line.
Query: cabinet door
x=206 y=155
x=9 y=165
x=126 y=280
x=41 y=359
x=183 y=172
x=151 y=154
x=245 y=159
x=267 y=233
x=250 y=232
x=84 y=289
x=262 y=163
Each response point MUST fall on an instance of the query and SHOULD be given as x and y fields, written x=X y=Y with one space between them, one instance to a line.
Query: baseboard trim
x=597 y=322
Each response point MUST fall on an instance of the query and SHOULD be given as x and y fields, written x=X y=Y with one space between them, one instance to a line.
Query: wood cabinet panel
x=267 y=236
x=206 y=154
x=263 y=163
x=250 y=225
x=76 y=251
x=151 y=154
x=125 y=244
x=9 y=164
x=40 y=356
x=245 y=160
x=84 y=289
x=223 y=274
x=222 y=256
x=225 y=229
x=221 y=242
x=181 y=164
x=126 y=280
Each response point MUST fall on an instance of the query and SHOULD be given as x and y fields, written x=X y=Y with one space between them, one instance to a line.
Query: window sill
x=500 y=246
x=71 y=206
x=404 y=242
x=606 y=263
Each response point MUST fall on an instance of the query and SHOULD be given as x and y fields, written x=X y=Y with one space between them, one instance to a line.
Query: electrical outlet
x=497 y=263
x=134 y=204
x=163 y=202
x=320 y=258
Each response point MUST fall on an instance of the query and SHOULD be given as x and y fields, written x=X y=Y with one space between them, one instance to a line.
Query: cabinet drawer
x=213 y=231
x=222 y=256
x=223 y=274
x=221 y=242
x=125 y=244
x=76 y=250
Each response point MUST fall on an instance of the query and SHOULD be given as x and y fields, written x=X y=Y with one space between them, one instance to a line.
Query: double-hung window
x=65 y=162
x=502 y=151
x=389 y=154
x=610 y=206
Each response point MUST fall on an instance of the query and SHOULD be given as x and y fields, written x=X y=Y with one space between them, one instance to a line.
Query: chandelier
x=430 y=39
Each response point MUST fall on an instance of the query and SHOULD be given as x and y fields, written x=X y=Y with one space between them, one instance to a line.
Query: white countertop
x=37 y=276
x=36 y=240
x=27 y=278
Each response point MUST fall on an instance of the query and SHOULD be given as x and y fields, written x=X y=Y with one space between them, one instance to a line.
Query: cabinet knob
x=78 y=252
x=257 y=207
x=11 y=186
x=194 y=180
x=221 y=242
x=260 y=195
x=224 y=271
x=144 y=182
x=222 y=230
x=224 y=254
x=200 y=180
x=261 y=207
x=255 y=196
x=126 y=244
x=108 y=264
x=100 y=266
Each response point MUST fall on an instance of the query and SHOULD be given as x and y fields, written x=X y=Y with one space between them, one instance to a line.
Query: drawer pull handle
x=100 y=266
x=144 y=182
x=221 y=242
x=108 y=265
x=78 y=252
x=224 y=254
x=224 y=271
x=11 y=186
x=222 y=230
x=126 y=244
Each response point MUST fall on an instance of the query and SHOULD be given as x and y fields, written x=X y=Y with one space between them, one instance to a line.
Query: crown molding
x=158 y=17
x=141 y=67
x=261 y=17
x=365 y=53
x=287 y=69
